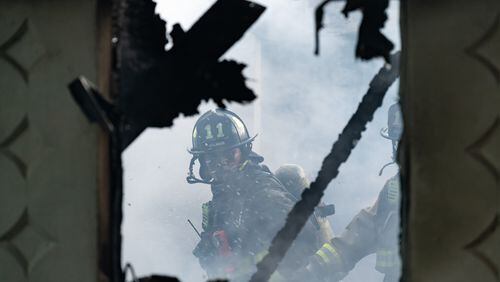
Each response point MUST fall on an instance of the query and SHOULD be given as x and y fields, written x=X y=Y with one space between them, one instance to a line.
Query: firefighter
x=293 y=177
x=248 y=206
x=373 y=230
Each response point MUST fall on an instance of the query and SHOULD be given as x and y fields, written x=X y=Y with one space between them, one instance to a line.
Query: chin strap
x=394 y=151
x=386 y=165
x=191 y=178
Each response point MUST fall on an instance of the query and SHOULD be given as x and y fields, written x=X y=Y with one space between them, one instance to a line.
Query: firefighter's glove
x=326 y=264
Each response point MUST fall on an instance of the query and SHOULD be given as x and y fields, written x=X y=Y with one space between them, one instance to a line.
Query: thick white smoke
x=304 y=102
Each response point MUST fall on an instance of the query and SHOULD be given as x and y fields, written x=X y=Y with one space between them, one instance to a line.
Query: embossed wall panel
x=451 y=101
x=48 y=151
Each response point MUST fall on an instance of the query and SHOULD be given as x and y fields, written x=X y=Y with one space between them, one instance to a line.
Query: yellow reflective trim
x=323 y=256
x=258 y=257
x=243 y=165
x=386 y=259
x=393 y=191
x=385 y=264
x=205 y=212
x=330 y=249
x=386 y=253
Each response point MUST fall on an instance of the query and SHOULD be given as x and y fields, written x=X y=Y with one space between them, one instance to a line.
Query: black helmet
x=393 y=131
x=216 y=130
x=394 y=124
x=293 y=177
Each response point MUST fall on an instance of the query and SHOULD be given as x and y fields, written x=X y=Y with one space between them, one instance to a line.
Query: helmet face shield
x=215 y=166
x=220 y=163
x=222 y=157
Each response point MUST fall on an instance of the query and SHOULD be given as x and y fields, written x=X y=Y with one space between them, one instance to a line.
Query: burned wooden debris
x=371 y=42
x=156 y=86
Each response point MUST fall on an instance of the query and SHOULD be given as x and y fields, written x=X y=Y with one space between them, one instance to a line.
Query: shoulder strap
x=205 y=210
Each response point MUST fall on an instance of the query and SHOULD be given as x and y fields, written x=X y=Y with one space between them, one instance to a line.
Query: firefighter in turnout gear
x=248 y=206
x=293 y=177
x=372 y=230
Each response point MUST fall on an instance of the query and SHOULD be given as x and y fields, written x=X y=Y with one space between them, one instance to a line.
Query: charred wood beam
x=340 y=152
x=157 y=85
x=222 y=25
x=95 y=107
x=371 y=42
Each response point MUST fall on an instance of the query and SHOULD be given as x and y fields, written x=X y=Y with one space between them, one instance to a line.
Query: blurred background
x=303 y=103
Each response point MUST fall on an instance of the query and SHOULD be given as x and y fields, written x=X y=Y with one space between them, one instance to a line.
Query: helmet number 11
x=220 y=132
